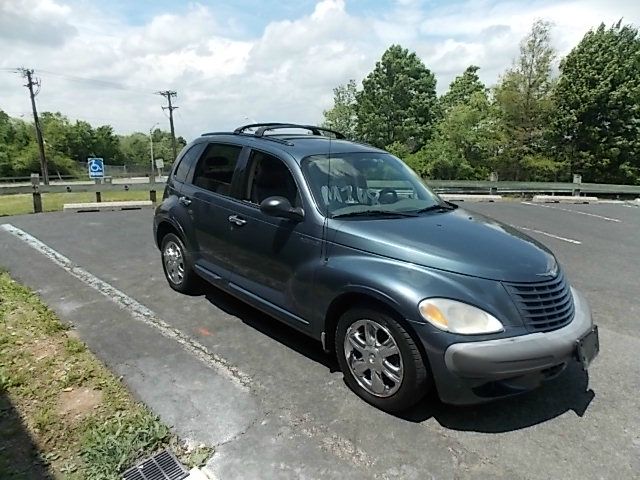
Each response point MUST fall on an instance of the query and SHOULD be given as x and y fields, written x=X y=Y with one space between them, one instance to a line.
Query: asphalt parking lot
x=275 y=405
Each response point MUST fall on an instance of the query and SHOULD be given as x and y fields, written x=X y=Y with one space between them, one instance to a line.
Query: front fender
x=402 y=285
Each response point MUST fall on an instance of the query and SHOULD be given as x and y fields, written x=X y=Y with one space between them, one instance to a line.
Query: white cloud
x=42 y=22
x=285 y=72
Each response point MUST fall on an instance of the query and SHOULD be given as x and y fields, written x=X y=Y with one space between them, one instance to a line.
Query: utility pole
x=28 y=74
x=168 y=94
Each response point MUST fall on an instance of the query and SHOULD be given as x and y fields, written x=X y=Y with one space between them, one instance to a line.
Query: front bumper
x=479 y=371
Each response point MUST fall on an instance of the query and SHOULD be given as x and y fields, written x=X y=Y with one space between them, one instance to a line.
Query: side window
x=181 y=171
x=215 y=168
x=270 y=177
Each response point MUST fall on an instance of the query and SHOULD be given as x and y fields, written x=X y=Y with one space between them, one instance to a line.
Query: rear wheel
x=379 y=359
x=176 y=264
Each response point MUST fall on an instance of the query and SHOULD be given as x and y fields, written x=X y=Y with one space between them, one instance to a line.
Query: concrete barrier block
x=453 y=197
x=563 y=199
x=107 y=206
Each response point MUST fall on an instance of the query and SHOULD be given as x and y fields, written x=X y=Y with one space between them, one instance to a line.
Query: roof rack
x=273 y=139
x=264 y=127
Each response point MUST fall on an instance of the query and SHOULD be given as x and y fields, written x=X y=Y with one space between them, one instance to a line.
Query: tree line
x=536 y=124
x=68 y=145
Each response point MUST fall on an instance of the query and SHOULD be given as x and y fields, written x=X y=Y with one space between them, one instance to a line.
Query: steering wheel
x=387 y=195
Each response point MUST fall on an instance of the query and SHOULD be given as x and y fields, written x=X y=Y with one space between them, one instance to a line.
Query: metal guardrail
x=474 y=186
x=440 y=186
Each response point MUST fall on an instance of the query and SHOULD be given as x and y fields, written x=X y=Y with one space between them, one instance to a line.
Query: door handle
x=237 y=220
x=184 y=201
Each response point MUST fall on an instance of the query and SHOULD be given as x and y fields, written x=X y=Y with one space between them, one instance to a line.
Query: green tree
x=466 y=143
x=598 y=106
x=398 y=101
x=525 y=104
x=69 y=144
x=105 y=144
x=162 y=145
x=462 y=88
x=81 y=141
x=135 y=149
x=342 y=116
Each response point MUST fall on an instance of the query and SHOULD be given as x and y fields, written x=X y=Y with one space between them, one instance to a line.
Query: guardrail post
x=493 y=177
x=37 y=197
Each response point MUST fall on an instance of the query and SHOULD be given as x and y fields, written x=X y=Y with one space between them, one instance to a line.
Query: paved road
x=276 y=406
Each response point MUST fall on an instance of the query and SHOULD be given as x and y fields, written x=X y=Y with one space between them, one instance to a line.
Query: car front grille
x=545 y=305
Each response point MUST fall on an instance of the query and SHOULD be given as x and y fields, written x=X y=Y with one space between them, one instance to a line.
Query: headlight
x=458 y=317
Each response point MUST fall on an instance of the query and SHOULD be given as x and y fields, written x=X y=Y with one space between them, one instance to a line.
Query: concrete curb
x=563 y=199
x=196 y=474
x=106 y=206
x=452 y=197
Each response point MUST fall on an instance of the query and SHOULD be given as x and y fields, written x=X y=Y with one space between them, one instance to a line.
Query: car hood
x=457 y=241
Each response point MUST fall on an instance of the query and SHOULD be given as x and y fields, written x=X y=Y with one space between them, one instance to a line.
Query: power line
x=95 y=81
x=169 y=94
x=31 y=81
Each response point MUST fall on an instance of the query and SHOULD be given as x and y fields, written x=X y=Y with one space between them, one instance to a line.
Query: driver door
x=269 y=253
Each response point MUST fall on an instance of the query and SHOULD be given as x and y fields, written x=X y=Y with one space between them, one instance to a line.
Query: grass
x=23 y=203
x=62 y=413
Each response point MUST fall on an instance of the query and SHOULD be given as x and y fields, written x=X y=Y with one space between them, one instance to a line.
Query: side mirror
x=281 y=207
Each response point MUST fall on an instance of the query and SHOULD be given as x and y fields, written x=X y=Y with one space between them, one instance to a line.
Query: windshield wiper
x=374 y=213
x=438 y=206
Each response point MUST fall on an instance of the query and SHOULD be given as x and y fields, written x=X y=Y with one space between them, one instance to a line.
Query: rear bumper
x=474 y=372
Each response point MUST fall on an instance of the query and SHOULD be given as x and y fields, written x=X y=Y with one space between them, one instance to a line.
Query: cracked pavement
x=292 y=416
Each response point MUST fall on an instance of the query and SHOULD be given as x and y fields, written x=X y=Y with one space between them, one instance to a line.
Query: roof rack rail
x=273 y=139
x=208 y=134
x=264 y=127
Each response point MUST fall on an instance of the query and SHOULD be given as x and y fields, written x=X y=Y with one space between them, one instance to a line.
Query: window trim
x=249 y=165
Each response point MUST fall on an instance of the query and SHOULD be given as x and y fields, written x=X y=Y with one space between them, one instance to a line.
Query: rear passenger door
x=206 y=195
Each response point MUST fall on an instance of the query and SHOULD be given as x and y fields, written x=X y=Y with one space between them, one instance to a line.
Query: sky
x=245 y=61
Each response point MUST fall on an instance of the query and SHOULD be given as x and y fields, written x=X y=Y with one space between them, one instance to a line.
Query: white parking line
x=136 y=309
x=564 y=239
x=609 y=219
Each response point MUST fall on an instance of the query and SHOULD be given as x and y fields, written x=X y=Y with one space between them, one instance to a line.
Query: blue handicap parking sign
x=96 y=167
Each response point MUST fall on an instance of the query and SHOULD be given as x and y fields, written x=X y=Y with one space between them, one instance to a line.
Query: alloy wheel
x=373 y=357
x=173 y=262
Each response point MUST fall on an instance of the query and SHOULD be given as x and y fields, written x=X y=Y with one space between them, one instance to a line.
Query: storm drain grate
x=162 y=466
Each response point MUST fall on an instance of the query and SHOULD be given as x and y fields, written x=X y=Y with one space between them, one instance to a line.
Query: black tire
x=416 y=379
x=189 y=281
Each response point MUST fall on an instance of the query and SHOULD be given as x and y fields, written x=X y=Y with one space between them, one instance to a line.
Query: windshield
x=352 y=184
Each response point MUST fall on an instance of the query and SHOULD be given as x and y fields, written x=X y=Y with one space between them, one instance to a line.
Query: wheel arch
x=166 y=226
x=369 y=299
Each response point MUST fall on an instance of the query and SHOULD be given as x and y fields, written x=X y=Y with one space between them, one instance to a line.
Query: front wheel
x=379 y=359
x=176 y=264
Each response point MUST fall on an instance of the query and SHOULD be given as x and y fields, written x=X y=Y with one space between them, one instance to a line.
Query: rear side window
x=185 y=163
x=215 y=168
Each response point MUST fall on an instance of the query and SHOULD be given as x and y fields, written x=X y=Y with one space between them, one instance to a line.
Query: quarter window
x=215 y=168
x=182 y=170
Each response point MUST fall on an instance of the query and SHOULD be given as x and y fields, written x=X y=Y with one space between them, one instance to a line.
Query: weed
x=38 y=364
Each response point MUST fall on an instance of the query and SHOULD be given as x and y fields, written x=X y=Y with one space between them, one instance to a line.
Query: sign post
x=159 y=165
